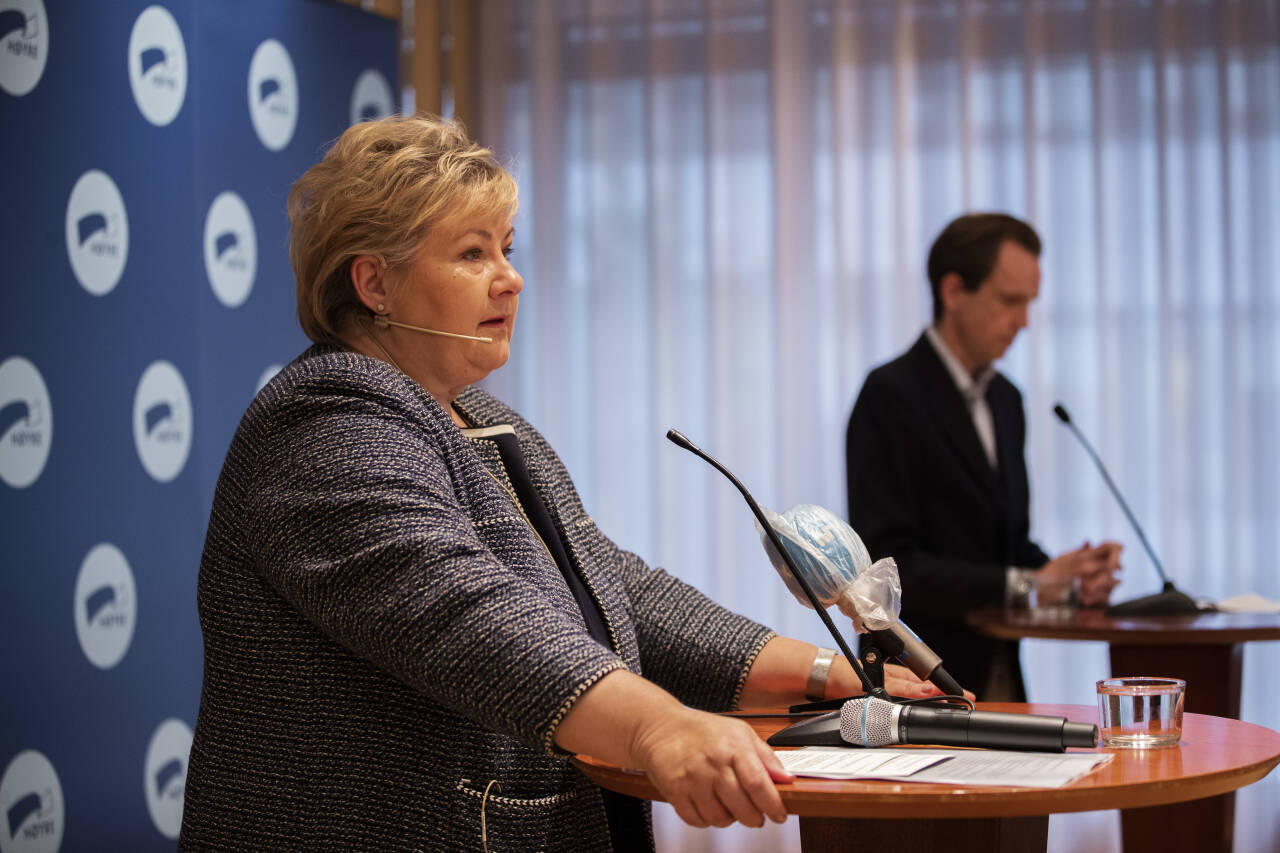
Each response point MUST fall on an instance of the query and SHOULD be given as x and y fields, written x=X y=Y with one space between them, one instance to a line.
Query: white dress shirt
x=974 y=391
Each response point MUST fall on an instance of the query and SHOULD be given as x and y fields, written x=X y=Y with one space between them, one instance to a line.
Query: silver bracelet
x=816 y=689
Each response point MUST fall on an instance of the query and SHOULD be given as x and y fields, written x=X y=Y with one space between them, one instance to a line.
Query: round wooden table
x=1205 y=649
x=1215 y=756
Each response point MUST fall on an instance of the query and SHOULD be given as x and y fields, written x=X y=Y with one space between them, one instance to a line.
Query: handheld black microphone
x=1168 y=600
x=875 y=722
x=676 y=438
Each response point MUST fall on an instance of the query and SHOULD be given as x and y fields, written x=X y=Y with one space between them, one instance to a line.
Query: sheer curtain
x=726 y=206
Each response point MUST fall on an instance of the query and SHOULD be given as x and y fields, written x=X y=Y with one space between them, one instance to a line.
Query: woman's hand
x=900 y=681
x=713 y=770
x=781 y=672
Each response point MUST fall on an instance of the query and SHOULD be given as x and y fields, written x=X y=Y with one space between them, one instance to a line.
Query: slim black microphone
x=874 y=722
x=1169 y=600
x=899 y=641
x=676 y=438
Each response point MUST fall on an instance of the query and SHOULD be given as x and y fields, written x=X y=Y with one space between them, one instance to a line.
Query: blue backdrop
x=150 y=149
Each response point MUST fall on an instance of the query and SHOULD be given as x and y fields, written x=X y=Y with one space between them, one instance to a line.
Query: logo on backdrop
x=24 y=45
x=267 y=376
x=97 y=232
x=105 y=606
x=26 y=422
x=273 y=95
x=230 y=249
x=162 y=421
x=165 y=776
x=157 y=65
x=32 y=815
x=371 y=97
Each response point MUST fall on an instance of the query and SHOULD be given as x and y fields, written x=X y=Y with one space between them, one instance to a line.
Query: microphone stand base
x=819 y=731
x=1168 y=601
x=836 y=704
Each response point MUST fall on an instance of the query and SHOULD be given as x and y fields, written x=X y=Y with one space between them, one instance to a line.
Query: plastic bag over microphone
x=836 y=565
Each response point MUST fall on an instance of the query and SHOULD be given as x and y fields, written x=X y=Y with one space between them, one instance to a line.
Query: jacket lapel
x=947 y=410
x=1006 y=446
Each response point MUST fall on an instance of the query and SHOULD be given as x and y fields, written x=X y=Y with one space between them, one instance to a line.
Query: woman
x=410 y=621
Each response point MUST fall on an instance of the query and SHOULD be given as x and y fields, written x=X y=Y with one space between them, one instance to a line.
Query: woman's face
x=461 y=281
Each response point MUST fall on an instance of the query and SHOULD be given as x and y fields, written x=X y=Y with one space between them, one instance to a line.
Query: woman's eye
x=507 y=251
x=471 y=255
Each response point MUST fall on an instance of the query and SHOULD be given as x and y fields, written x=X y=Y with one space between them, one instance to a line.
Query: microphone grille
x=868 y=721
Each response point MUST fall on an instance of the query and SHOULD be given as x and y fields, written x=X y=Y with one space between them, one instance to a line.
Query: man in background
x=934 y=453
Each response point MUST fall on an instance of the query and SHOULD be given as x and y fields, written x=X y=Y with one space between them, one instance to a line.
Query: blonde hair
x=378 y=191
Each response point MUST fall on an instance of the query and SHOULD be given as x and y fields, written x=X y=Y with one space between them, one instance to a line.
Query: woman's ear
x=369 y=278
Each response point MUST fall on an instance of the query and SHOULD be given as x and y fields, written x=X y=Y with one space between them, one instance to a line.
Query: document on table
x=839 y=762
x=1250 y=602
x=944 y=766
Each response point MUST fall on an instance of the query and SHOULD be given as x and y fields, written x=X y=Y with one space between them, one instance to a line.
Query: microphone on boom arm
x=675 y=437
x=911 y=721
x=1169 y=599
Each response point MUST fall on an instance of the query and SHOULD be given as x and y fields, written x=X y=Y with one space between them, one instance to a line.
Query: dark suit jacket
x=384 y=633
x=921 y=491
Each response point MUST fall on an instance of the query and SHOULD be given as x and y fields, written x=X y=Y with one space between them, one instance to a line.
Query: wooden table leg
x=1200 y=825
x=1213 y=676
x=953 y=835
x=1212 y=673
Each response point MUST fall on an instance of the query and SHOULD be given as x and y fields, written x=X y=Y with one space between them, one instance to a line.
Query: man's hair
x=378 y=191
x=968 y=247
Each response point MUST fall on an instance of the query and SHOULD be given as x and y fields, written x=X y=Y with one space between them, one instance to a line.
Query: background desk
x=1216 y=756
x=1205 y=649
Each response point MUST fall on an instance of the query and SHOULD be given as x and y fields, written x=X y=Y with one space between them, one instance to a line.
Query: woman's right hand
x=713 y=770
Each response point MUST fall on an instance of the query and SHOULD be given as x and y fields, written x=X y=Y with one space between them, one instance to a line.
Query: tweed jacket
x=921 y=491
x=385 y=636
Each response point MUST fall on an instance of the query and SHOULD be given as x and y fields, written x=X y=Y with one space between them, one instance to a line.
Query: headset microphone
x=381 y=321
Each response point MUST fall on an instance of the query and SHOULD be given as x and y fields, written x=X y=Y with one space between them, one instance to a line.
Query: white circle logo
x=371 y=97
x=157 y=65
x=267 y=376
x=165 y=776
x=162 y=421
x=31 y=805
x=273 y=95
x=230 y=249
x=97 y=232
x=24 y=45
x=26 y=422
x=105 y=606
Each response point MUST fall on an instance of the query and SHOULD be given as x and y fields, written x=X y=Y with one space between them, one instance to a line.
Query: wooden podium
x=1204 y=649
x=1215 y=756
